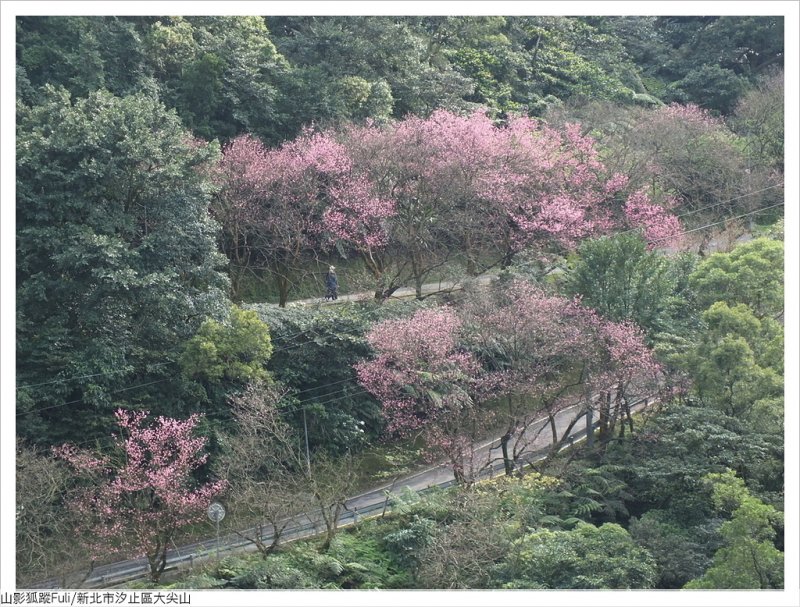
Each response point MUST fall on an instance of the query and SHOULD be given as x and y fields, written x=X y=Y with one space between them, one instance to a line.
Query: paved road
x=366 y=504
x=402 y=293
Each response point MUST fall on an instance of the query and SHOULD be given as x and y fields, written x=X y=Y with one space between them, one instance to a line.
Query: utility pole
x=305 y=428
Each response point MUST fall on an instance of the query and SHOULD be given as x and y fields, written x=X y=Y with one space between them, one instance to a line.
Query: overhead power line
x=72 y=402
x=711 y=206
x=716 y=223
x=716 y=204
x=65 y=379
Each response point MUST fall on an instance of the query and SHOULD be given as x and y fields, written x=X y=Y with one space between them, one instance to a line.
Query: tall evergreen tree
x=116 y=258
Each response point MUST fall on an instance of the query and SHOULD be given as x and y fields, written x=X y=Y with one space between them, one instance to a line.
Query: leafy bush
x=274 y=572
x=199 y=581
x=237 y=350
x=406 y=543
x=231 y=567
x=680 y=553
x=365 y=563
x=586 y=557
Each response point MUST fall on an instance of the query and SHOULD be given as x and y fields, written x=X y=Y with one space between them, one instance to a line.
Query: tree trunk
x=553 y=430
x=535 y=53
x=508 y=464
x=472 y=268
x=416 y=269
x=283 y=291
x=605 y=405
x=508 y=258
x=626 y=416
x=263 y=549
x=158 y=561
x=458 y=473
x=471 y=265
x=558 y=442
x=331 y=525
x=375 y=268
x=590 y=427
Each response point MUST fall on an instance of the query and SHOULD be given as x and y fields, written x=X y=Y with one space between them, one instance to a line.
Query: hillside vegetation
x=181 y=181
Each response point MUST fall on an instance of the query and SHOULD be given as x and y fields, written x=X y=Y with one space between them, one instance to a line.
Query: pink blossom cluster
x=301 y=192
x=549 y=183
x=657 y=224
x=137 y=503
x=419 y=184
x=690 y=114
x=540 y=341
x=628 y=353
x=418 y=373
x=616 y=183
x=356 y=215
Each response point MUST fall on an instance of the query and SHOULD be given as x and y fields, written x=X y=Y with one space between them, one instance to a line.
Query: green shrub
x=199 y=581
x=274 y=573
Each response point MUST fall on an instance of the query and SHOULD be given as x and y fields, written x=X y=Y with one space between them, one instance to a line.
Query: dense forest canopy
x=587 y=212
x=271 y=75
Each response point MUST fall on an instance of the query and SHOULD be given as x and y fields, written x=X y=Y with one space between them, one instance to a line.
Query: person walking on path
x=331 y=284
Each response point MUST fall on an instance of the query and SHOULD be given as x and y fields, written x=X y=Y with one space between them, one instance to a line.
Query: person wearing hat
x=331 y=284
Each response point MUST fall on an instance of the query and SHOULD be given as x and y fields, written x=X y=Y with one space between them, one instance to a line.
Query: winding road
x=537 y=438
x=370 y=503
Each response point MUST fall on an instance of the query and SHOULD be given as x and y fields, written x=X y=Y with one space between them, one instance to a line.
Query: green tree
x=721 y=50
x=558 y=59
x=739 y=359
x=315 y=351
x=622 y=280
x=758 y=117
x=236 y=350
x=749 y=558
x=680 y=553
x=586 y=557
x=393 y=56
x=82 y=54
x=116 y=258
x=710 y=86
x=751 y=274
x=664 y=464
x=219 y=72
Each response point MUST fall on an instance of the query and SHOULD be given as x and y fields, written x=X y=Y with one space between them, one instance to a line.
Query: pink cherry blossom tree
x=684 y=153
x=628 y=364
x=549 y=187
x=659 y=228
x=536 y=354
x=281 y=207
x=425 y=168
x=679 y=154
x=539 y=354
x=427 y=384
x=235 y=206
x=467 y=187
x=136 y=499
x=544 y=355
x=551 y=190
x=410 y=196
